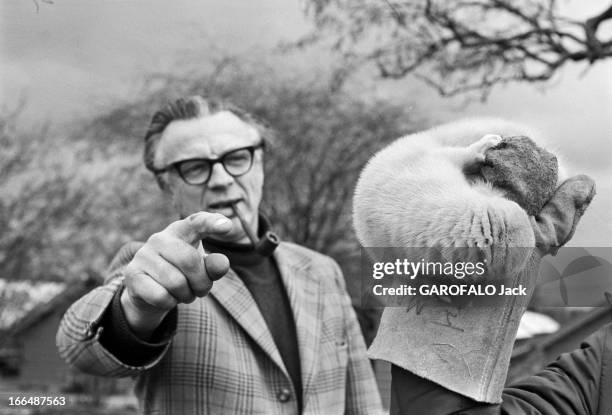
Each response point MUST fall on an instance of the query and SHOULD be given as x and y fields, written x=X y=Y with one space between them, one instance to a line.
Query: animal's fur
x=414 y=193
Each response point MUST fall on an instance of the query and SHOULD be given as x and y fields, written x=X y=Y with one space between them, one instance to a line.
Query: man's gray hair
x=194 y=106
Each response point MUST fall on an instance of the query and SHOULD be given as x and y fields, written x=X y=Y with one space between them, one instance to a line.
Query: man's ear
x=168 y=192
x=163 y=184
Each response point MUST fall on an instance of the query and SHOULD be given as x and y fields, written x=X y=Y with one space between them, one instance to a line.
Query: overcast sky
x=76 y=55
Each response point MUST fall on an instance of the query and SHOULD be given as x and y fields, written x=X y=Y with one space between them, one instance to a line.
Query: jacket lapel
x=235 y=297
x=304 y=296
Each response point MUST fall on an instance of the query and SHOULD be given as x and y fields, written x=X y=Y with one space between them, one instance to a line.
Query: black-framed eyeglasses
x=197 y=171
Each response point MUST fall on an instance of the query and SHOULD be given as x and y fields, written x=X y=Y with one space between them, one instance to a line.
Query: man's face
x=211 y=137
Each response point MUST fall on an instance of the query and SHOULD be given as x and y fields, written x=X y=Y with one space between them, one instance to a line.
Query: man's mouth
x=225 y=207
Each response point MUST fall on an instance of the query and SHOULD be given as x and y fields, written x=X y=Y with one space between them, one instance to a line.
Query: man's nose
x=219 y=177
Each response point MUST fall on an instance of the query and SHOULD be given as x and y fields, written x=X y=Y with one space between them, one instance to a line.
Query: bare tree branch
x=462 y=46
x=596 y=47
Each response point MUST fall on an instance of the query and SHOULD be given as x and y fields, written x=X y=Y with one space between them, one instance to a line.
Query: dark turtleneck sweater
x=262 y=278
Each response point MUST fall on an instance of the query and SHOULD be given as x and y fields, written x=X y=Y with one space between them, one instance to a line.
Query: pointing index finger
x=197 y=226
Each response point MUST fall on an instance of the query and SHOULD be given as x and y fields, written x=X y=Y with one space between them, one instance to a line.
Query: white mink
x=414 y=192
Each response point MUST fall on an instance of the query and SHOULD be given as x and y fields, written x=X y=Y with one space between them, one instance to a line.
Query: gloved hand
x=467 y=349
x=525 y=172
x=557 y=221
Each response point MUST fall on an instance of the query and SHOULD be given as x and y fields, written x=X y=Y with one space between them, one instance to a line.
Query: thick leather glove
x=556 y=223
x=525 y=172
x=467 y=349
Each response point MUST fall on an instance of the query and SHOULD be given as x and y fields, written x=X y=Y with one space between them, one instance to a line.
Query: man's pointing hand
x=172 y=268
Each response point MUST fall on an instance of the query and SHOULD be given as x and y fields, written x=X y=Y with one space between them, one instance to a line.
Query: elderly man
x=206 y=322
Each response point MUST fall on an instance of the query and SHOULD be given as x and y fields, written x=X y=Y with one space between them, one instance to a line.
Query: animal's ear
x=487 y=142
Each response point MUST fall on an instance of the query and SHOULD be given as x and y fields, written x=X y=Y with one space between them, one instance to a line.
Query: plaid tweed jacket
x=223 y=360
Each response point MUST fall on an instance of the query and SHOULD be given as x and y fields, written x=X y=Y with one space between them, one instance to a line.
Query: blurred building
x=30 y=313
